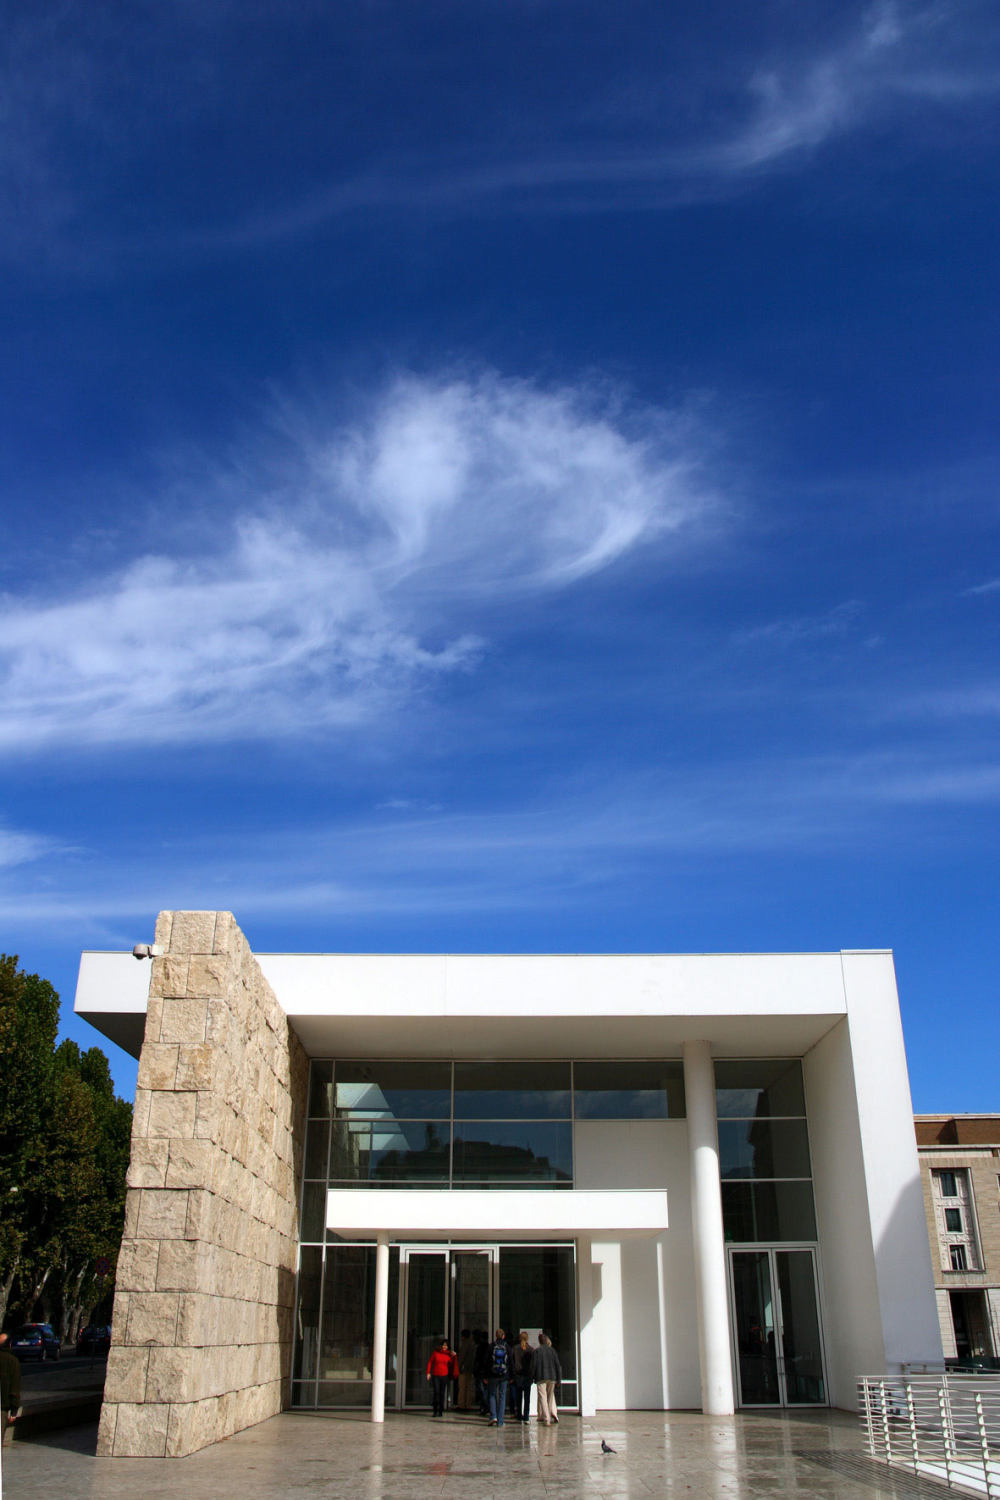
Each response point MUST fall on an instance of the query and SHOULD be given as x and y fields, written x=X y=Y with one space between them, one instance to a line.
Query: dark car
x=36 y=1341
x=94 y=1339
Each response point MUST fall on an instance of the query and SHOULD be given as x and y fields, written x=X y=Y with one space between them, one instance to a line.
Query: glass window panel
x=538 y=1290
x=345 y=1393
x=768 y=1211
x=466 y=1184
x=304 y=1393
x=763 y=1148
x=365 y=1152
x=321 y=1089
x=317 y=1144
x=313 y=1212
x=403 y=1090
x=513 y=1150
x=512 y=1091
x=748 y=1089
x=628 y=1090
x=953 y=1220
x=949 y=1184
x=307 y=1314
x=347 y=1327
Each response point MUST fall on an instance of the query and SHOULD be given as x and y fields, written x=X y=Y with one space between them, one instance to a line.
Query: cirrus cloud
x=356 y=577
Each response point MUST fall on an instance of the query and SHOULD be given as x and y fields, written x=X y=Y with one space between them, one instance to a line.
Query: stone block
x=164 y=923
x=130 y=1228
x=190 y=1164
x=141 y=1430
x=148 y=1164
x=172 y=1114
x=219 y=1023
x=162 y=1214
x=174 y=1374
x=208 y=976
x=197 y=1066
x=207 y=1116
x=152 y=1318
x=125 y=1379
x=183 y=1266
x=192 y=932
x=202 y=1216
x=184 y=1020
x=136 y=1271
x=106 y=1430
x=169 y=977
x=140 y=1113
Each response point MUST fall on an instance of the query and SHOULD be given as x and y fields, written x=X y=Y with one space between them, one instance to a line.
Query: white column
x=588 y=1333
x=706 y=1223
x=381 y=1325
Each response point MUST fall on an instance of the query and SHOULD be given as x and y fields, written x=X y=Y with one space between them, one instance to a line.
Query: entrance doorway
x=776 y=1327
x=445 y=1288
x=443 y=1291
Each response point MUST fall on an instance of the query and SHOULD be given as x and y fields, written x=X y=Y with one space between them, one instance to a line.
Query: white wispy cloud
x=351 y=570
x=19 y=847
x=802 y=629
x=895 y=55
x=586 y=842
x=992 y=586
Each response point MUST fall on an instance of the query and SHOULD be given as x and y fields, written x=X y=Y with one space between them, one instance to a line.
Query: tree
x=64 y=1149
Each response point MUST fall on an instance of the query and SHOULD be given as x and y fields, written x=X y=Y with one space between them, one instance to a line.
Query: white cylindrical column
x=706 y=1224
x=588 y=1333
x=381 y=1326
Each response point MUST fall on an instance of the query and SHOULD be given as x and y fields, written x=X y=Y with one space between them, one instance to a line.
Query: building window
x=955 y=1217
x=767 y=1192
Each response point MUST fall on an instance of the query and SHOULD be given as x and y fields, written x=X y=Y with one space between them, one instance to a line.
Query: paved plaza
x=321 y=1456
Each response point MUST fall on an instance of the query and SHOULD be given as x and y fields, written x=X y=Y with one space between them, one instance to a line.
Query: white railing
x=945 y=1426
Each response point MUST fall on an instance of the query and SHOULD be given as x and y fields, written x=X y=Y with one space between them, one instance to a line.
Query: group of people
x=491 y=1374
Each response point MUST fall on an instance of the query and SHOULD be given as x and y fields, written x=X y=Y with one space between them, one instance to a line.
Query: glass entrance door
x=424 y=1289
x=442 y=1292
x=779 y=1355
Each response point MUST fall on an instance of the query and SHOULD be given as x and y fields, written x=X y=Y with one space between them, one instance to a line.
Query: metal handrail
x=945 y=1425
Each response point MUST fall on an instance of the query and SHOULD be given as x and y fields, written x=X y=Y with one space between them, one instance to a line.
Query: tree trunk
x=5 y=1287
x=37 y=1291
x=72 y=1316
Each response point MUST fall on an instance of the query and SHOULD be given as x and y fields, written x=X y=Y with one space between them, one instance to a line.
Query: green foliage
x=64 y=1150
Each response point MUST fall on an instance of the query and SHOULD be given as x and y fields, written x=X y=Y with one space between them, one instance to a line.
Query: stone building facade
x=960 y=1172
x=206 y=1277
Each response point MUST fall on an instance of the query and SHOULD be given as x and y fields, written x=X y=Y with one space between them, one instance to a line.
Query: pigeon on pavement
x=606 y=1449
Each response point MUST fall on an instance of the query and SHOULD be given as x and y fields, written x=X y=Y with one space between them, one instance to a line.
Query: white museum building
x=697 y=1173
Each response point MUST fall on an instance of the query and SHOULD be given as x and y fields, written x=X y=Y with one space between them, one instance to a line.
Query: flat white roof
x=518 y=1005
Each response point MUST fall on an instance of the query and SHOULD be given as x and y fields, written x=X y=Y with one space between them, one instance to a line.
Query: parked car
x=36 y=1341
x=94 y=1339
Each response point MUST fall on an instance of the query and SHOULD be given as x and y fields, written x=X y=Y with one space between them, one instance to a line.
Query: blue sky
x=507 y=475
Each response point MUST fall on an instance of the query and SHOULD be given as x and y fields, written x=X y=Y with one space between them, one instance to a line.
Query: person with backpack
x=499 y=1378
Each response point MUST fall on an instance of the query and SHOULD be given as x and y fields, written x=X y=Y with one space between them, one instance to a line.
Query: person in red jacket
x=441 y=1368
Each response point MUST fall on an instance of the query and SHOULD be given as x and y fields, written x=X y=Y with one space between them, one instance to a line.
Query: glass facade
x=767 y=1193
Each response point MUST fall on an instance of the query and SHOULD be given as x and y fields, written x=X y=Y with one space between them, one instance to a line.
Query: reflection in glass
x=628 y=1090
x=313 y=1221
x=426 y=1318
x=763 y=1148
x=512 y=1091
x=800 y=1328
x=317 y=1145
x=512 y=1150
x=307 y=1314
x=363 y=1151
x=755 y=1333
x=321 y=1090
x=347 y=1326
x=762 y=1087
x=538 y=1290
x=768 y=1211
x=403 y=1090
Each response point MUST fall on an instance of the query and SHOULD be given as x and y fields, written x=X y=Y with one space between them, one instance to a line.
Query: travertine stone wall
x=204 y=1296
